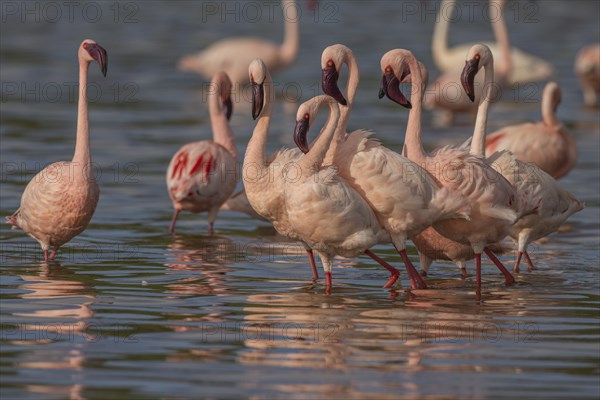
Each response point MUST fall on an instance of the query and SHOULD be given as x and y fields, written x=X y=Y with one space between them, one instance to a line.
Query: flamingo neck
x=82 y=158
x=503 y=41
x=478 y=139
x=439 y=46
x=222 y=133
x=311 y=162
x=291 y=39
x=350 y=92
x=413 y=145
x=549 y=110
x=256 y=155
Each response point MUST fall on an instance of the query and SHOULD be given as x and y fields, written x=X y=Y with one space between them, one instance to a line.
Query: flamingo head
x=91 y=51
x=258 y=73
x=478 y=56
x=305 y=116
x=332 y=59
x=223 y=84
x=394 y=69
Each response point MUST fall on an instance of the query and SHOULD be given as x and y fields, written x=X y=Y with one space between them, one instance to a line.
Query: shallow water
x=130 y=311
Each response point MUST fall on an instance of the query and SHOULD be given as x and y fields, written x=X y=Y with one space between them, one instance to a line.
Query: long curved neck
x=439 y=46
x=478 y=140
x=549 y=110
x=413 y=146
x=222 y=133
x=256 y=153
x=291 y=38
x=342 y=127
x=501 y=34
x=311 y=162
x=82 y=158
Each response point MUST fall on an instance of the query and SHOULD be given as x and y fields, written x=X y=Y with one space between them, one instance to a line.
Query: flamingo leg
x=328 y=283
x=53 y=253
x=508 y=278
x=393 y=271
x=463 y=273
x=478 y=271
x=517 y=262
x=173 y=221
x=530 y=266
x=210 y=228
x=416 y=281
x=46 y=255
x=313 y=266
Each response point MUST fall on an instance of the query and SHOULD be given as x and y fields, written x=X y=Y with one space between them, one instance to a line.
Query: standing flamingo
x=548 y=143
x=493 y=200
x=59 y=202
x=524 y=68
x=587 y=68
x=235 y=54
x=405 y=199
x=202 y=175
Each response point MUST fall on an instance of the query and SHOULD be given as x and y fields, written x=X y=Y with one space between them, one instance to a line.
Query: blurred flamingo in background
x=587 y=68
x=202 y=175
x=59 y=202
x=548 y=143
x=235 y=54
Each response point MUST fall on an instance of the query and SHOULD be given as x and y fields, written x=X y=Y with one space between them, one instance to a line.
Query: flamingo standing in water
x=548 y=143
x=202 y=175
x=405 y=199
x=555 y=204
x=494 y=202
x=235 y=54
x=587 y=68
x=524 y=68
x=59 y=202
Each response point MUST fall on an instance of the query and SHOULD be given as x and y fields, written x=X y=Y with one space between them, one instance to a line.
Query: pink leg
x=518 y=262
x=46 y=255
x=327 y=283
x=530 y=266
x=508 y=278
x=53 y=253
x=313 y=266
x=173 y=221
x=416 y=281
x=393 y=271
x=210 y=229
x=478 y=271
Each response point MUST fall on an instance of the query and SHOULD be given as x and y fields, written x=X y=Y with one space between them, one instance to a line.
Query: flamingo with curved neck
x=587 y=69
x=548 y=143
x=202 y=175
x=233 y=55
x=59 y=202
x=492 y=199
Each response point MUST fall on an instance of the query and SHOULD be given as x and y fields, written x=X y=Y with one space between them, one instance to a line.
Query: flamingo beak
x=228 y=104
x=258 y=99
x=98 y=53
x=390 y=87
x=300 y=133
x=467 y=77
x=329 y=79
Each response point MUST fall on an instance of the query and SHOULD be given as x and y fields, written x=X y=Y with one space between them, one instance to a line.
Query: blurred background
x=130 y=311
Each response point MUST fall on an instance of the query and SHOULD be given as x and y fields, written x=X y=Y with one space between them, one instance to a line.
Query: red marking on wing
x=208 y=167
x=490 y=143
x=204 y=165
x=180 y=164
x=197 y=165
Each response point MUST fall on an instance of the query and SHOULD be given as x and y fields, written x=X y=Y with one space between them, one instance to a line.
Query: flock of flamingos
x=352 y=192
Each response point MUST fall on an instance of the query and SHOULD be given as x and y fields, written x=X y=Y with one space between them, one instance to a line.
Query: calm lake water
x=131 y=311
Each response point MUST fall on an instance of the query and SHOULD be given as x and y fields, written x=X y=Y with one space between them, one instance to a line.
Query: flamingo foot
x=173 y=221
x=313 y=266
x=423 y=273
x=530 y=266
x=416 y=281
x=53 y=253
x=395 y=274
x=328 y=283
x=517 y=262
x=508 y=278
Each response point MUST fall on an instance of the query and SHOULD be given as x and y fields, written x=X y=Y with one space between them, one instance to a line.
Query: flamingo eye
x=306 y=116
x=388 y=69
x=477 y=56
x=330 y=63
x=85 y=45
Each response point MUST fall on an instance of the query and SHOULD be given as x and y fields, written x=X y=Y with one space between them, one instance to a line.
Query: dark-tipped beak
x=329 y=79
x=99 y=54
x=228 y=104
x=300 y=133
x=390 y=86
x=258 y=99
x=467 y=77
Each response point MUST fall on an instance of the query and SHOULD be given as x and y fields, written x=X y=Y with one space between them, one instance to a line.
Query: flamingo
x=405 y=199
x=323 y=209
x=587 y=69
x=548 y=143
x=555 y=204
x=523 y=68
x=233 y=55
x=59 y=202
x=494 y=202
x=202 y=175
